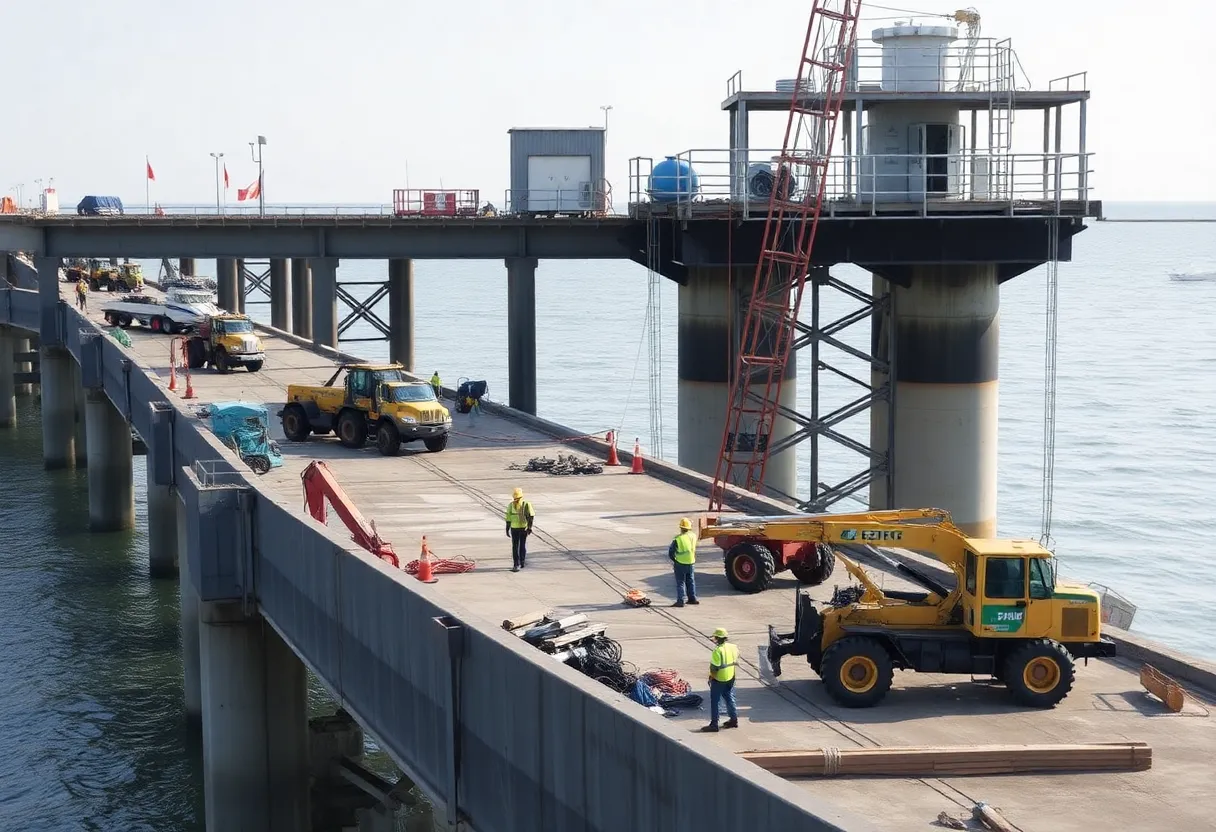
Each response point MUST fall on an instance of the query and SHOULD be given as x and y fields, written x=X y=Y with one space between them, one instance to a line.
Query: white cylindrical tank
x=916 y=58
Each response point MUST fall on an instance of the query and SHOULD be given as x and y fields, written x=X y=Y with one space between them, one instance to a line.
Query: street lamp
x=261 y=142
x=217 y=157
x=606 y=108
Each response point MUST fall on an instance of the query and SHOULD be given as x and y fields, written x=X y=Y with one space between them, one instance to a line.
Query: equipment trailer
x=1007 y=616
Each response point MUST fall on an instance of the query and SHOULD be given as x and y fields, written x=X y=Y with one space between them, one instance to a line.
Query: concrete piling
x=189 y=617
x=23 y=345
x=255 y=724
x=82 y=438
x=227 y=285
x=325 y=301
x=111 y=486
x=280 y=294
x=521 y=333
x=8 y=384
x=58 y=408
x=240 y=287
x=162 y=529
x=301 y=298
x=185 y=265
x=401 y=312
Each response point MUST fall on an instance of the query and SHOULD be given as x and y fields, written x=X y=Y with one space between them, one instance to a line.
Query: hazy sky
x=348 y=93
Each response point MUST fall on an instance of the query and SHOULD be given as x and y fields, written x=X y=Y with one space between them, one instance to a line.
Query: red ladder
x=789 y=234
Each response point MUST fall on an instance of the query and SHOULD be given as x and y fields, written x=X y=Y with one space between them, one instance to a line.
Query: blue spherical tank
x=673 y=179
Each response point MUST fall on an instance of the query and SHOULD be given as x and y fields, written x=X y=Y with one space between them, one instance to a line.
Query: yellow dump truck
x=379 y=401
x=224 y=342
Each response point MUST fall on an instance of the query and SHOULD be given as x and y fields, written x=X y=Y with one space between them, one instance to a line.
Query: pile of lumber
x=561 y=637
x=938 y=761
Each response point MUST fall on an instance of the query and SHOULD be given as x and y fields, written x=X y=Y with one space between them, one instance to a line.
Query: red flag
x=225 y=176
x=151 y=175
x=251 y=192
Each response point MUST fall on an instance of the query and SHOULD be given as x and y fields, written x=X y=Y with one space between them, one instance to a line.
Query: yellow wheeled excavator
x=1007 y=615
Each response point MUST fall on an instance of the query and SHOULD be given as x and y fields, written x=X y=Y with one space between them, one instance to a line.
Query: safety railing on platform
x=421 y=202
x=585 y=200
x=1068 y=83
x=700 y=182
x=988 y=67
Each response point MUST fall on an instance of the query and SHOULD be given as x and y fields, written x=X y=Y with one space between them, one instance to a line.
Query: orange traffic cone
x=612 y=459
x=172 y=366
x=189 y=394
x=424 y=564
x=636 y=468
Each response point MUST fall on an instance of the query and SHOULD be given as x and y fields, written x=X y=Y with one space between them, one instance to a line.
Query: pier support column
x=8 y=384
x=325 y=301
x=280 y=294
x=189 y=616
x=226 y=284
x=401 y=312
x=521 y=333
x=711 y=313
x=946 y=394
x=58 y=408
x=23 y=346
x=185 y=265
x=301 y=298
x=255 y=725
x=82 y=436
x=111 y=484
x=240 y=287
x=162 y=528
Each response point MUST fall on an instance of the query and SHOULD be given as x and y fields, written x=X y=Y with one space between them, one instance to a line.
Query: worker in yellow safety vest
x=437 y=385
x=722 y=663
x=520 y=515
x=683 y=555
x=82 y=294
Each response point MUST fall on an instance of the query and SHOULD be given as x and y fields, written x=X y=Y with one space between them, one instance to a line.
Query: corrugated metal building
x=556 y=171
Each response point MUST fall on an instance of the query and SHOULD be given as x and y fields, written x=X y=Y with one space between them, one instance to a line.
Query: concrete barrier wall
x=539 y=745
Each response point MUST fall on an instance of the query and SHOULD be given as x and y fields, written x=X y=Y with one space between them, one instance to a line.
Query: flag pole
x=147 y=186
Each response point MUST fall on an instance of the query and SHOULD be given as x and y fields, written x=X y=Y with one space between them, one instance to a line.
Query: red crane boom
x=319 y=486
x=785 y=257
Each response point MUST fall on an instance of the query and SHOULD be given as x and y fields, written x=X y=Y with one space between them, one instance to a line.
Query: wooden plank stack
x=542 y=629
x=938 y=761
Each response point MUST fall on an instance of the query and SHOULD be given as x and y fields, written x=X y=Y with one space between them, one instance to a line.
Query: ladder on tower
x=1000 y=118
x=789 y=236
x=654 y=327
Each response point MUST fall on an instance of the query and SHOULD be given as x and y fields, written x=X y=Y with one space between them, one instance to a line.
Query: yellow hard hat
x=720 y=633
x=685 y=523
x=517 y=493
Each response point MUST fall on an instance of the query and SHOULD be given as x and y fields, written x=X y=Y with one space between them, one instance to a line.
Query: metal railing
x=422 y=202
x=874 y=183
x=586 y=200
x=1067 y=83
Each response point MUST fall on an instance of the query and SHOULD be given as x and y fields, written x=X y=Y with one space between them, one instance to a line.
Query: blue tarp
x=227 y=416
x=93 y=205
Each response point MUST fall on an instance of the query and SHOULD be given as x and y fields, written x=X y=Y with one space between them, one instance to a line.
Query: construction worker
x=82 y=294
x=683 y=555
x=519 y=517
x=437 y=385
x=722 y=663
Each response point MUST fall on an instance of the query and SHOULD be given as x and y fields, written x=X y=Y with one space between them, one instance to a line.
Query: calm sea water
x=90 y=692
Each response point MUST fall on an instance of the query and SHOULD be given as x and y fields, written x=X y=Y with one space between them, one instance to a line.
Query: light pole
x=606 y=108
x=38 y=182
x=261 y=142
x=217 y=157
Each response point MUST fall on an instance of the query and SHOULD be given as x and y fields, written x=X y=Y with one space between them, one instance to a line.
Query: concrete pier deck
x=598 y=536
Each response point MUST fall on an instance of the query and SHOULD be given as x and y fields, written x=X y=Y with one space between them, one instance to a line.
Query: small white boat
x=180 y=310
x=1194 y=277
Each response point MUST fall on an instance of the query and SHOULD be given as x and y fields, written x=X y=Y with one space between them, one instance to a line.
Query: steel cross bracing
x=789 y=235
x=255 y=275
x=363 y=310
x=654 y=325
x=870 y=378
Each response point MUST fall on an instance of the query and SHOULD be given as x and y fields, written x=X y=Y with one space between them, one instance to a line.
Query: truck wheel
x=170 y=326
x=817 y=565
x=220 y=360
x=750 y=567
x=388 y=440
x=1039 y=673
x=436 y=443
x=857 y=672
x=295 y=423
x=253 y=366
x=124 y=321
x=352 y=429
x=157 y=324
x=111 y=319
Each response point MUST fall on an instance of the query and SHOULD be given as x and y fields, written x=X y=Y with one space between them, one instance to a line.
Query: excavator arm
x=320 y=486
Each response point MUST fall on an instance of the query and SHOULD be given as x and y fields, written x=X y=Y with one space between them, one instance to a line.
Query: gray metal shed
x=555 y=171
